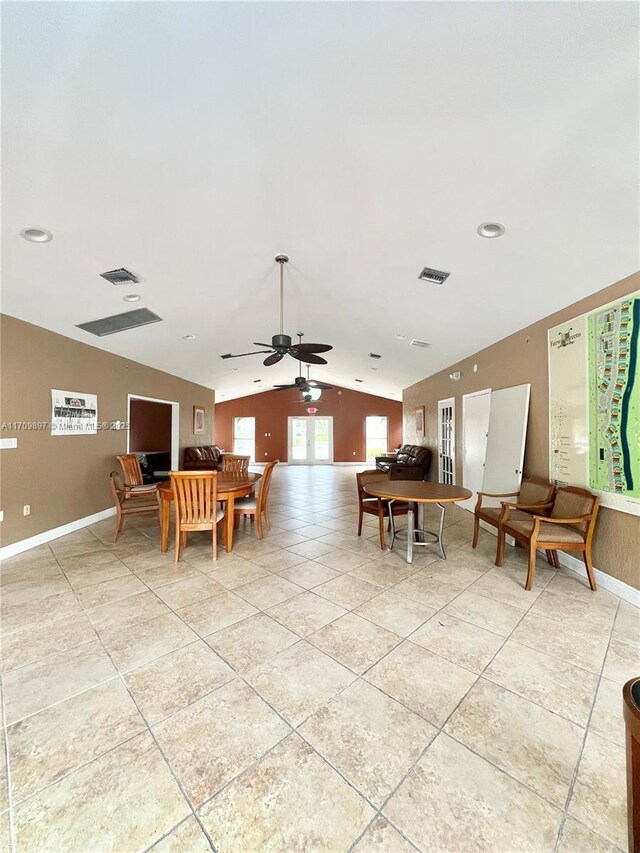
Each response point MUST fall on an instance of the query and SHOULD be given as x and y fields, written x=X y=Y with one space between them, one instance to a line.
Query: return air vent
x=374 y=355
x=121 y=276
x=434 y=276
x=416 y=343
x=120 y=322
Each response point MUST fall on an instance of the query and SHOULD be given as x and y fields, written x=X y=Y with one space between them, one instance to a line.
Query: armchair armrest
x=578 y=520
x=493 y=495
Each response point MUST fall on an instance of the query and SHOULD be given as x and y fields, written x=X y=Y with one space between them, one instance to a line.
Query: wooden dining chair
x=379 y=507
x=257 y=506
x=196 y=506
x=569 y=527
x=129 y=502
x=236 y=465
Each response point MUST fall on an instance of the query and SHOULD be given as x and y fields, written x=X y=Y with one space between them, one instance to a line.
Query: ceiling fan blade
x=322 y=385
x=274 y=358
x=258 y=344
x=311 y=347
x=242 y=354
x=309 y=358
x=283 y=387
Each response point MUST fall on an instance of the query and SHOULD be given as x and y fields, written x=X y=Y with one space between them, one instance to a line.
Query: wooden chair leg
x=214 y=543
x=381 y=525
x=119 y=523
x=532 y=567
x=556 y=559
x=550 y=559
x=500 y=548
x=476 y=531
x=360 y=517
x=266 y=518
x=178 y=544
x=258 y=524
x=589 y=564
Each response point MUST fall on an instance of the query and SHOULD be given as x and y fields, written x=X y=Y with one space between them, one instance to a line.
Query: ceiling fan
x=306 y=386
x=282 y=344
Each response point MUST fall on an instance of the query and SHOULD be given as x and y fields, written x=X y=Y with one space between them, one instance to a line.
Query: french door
x=310 y=440
x=446 y=441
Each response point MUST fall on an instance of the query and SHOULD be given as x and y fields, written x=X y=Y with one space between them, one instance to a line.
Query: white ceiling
x=191 y=142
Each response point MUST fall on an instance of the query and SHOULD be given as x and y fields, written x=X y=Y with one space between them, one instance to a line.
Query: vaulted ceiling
x=192 y=142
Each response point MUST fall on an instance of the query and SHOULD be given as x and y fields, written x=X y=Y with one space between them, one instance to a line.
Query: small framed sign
x=420 y=420
x=198 y=420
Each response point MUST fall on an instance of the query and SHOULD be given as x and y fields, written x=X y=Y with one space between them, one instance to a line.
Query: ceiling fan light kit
x=282 y=344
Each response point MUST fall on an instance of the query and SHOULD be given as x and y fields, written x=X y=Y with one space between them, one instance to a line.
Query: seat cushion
x=548 y=532
x=491 y=514
x=246 y=503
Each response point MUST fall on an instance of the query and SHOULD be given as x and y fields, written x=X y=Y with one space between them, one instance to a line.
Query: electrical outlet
x=26 y=509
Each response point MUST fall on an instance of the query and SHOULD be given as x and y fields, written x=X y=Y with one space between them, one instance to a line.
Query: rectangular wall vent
x=121 y=276
x=120 y=322
x=416 y=343
x=434 y=276
x=374 y=355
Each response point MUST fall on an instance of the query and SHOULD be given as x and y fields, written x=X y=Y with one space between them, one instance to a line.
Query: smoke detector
x=433 y=276
x=121 y=276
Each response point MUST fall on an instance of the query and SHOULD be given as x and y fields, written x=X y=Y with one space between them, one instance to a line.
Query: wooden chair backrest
x=364 y=478
x=573 y=502
x=115 y=482
x=265 y=484
x=195 y=494
x=235 y=464
x=536 y=490
x=131 y=470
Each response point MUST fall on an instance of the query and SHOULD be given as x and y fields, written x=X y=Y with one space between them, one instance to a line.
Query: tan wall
x=515 y=360
x=65 y=478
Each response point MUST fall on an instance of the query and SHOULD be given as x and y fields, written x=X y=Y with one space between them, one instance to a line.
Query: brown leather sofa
x=205 y=458
x=410 y=459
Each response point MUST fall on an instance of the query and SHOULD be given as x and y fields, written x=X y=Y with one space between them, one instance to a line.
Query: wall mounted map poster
x=594 y=403
x=73 y=413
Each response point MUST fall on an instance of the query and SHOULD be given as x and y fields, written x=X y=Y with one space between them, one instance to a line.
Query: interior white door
x=446 y=441
x=310 y=440
x=475 y=429
x=505 y=442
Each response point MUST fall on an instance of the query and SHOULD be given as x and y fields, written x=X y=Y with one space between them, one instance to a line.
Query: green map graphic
x=614 y=398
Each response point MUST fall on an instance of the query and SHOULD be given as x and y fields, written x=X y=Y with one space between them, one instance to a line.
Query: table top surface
x=416 y=490
x=226 y=483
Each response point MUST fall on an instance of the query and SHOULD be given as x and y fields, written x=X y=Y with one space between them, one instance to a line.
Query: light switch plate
x=6 y=443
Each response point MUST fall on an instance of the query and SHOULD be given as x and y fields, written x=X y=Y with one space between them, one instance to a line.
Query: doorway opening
x=376 y=436
x=447 y=441
x=244 y=437
x=154 y=435
x=310 y=440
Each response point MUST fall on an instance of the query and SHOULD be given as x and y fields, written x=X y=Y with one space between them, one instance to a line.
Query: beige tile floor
x=309 y=692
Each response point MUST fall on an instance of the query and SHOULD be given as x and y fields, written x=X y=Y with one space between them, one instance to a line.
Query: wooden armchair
x=132 y=475
x=129 y=502
x=569 y=527
x=232 y=464
x=535 y=494
x=380 y=507
x=256 y=507
x=196 y=506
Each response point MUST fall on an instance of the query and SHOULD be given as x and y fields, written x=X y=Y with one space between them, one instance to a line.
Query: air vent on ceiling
x=416 y=343
x=374 y=355
x=358 y=380
x=120 y=322
x=434 y=276
x=121 y=276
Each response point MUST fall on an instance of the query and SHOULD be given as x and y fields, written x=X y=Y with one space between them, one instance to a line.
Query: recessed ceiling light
x=374 y=368
x=132 y=297
x=36 y=235
x=188 y=337
x=401 y=337
x=235 y=369
x=491 y=229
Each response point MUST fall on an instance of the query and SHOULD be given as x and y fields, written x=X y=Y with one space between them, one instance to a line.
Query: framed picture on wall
x=420 y=420
x=198 y=420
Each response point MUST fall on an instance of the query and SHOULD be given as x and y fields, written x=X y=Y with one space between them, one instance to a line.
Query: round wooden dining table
x=229 y=487
x=415 y=491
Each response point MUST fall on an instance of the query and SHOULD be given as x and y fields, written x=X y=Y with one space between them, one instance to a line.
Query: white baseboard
x=608 y=582
x=54 y=533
